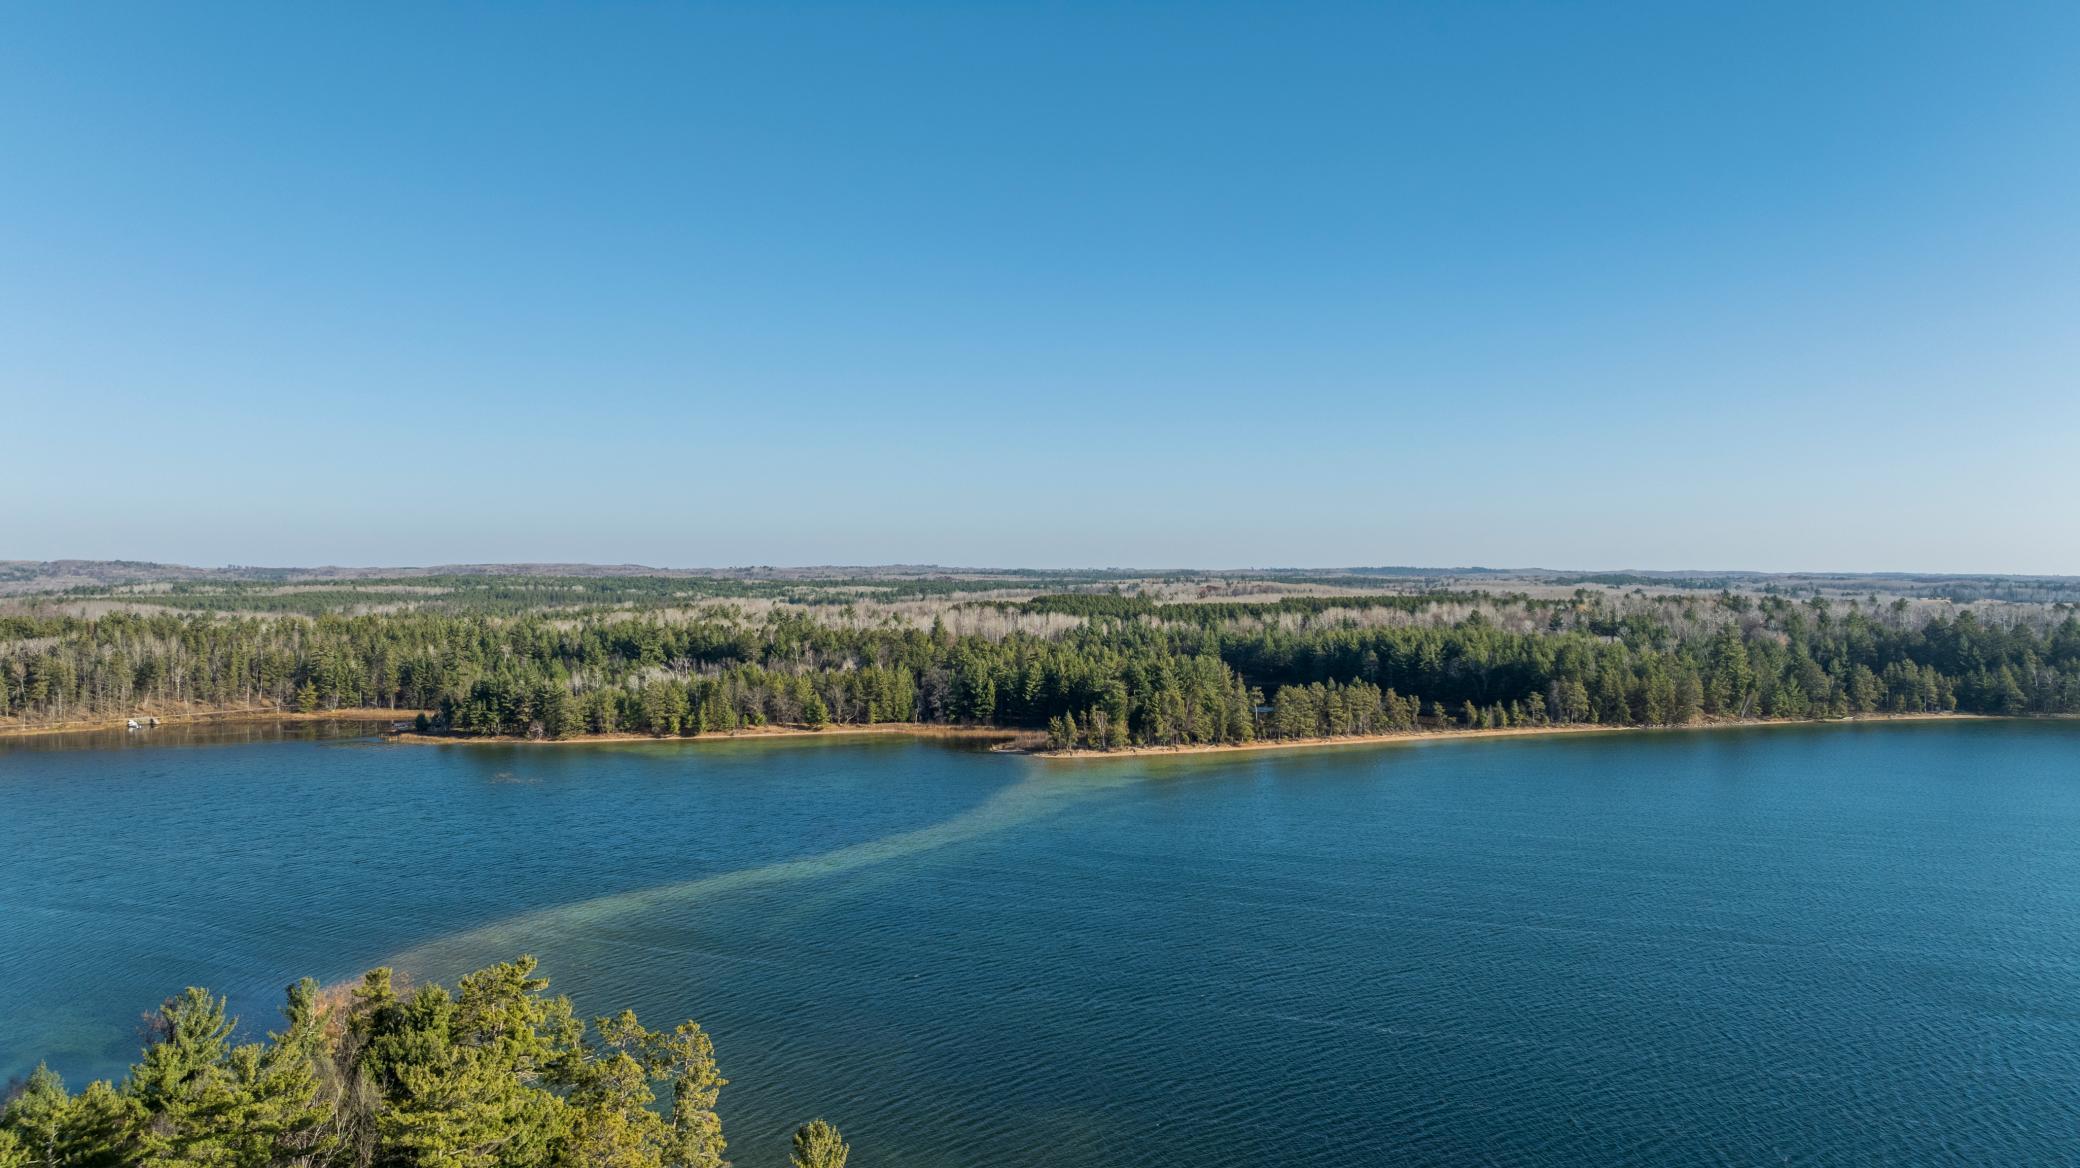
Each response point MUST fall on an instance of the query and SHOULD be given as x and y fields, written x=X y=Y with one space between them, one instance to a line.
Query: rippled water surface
x=1828 y=945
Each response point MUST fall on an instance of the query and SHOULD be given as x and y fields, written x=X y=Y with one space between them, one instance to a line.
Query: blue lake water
x=1829 y=945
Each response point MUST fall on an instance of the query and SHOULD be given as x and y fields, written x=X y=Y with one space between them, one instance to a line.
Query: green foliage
x=194 y=1085
x=818 y=1145
x=495 y=1075
x=1092 y=669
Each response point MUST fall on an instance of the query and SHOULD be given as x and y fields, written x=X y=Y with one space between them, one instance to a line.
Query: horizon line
x=633 y=568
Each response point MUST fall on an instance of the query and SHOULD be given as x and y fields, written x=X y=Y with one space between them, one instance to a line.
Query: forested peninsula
x=1093 y=665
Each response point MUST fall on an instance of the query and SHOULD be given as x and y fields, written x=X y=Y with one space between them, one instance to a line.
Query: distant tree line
x=494 y=1075
x=1120 y=605
x=1125 y=674
x=501 y=594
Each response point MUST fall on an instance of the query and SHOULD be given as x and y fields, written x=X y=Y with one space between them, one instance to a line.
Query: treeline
x=474 y=594
x=1638 y=580
x=498 y=594
x=1102 y=682
x=495 y=1074
x=1122 y=606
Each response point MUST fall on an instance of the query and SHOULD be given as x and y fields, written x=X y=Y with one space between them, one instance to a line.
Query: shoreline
x=1007 y=736
x=1009 y=740
x=248 y=716
x=1402 y=736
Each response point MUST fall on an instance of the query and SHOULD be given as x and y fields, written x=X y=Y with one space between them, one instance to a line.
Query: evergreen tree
x=283 y=1120
x=687 y=1058
x=189 y=1085
x=818 y=1145
x=37 y=1119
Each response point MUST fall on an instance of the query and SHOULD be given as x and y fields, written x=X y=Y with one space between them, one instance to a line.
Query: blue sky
x=1780 y=286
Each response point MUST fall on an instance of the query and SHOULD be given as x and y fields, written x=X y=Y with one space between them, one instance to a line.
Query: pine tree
x=283 y=1120
x=188 y=1084
x=612 y=1123
x=38 y=1116
x=464 y=1077
x=102 y=1130
x=818 y=1145
x=687 y=1056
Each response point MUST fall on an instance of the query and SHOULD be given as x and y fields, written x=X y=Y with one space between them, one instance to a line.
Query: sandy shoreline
x=1010 y=740
x=1471 y=735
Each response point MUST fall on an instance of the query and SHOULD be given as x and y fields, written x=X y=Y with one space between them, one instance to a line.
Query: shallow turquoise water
x=1827 y=945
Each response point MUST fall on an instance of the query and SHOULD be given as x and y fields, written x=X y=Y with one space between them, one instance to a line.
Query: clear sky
x=1661 y=284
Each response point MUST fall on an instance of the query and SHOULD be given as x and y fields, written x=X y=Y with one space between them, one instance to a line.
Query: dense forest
x=494 y=1075
x=1097 y=669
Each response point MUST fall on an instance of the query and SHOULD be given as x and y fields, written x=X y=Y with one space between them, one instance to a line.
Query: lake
x=1821 y=945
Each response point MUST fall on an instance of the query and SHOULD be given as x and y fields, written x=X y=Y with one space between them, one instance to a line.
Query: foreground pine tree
x=818 y=1145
